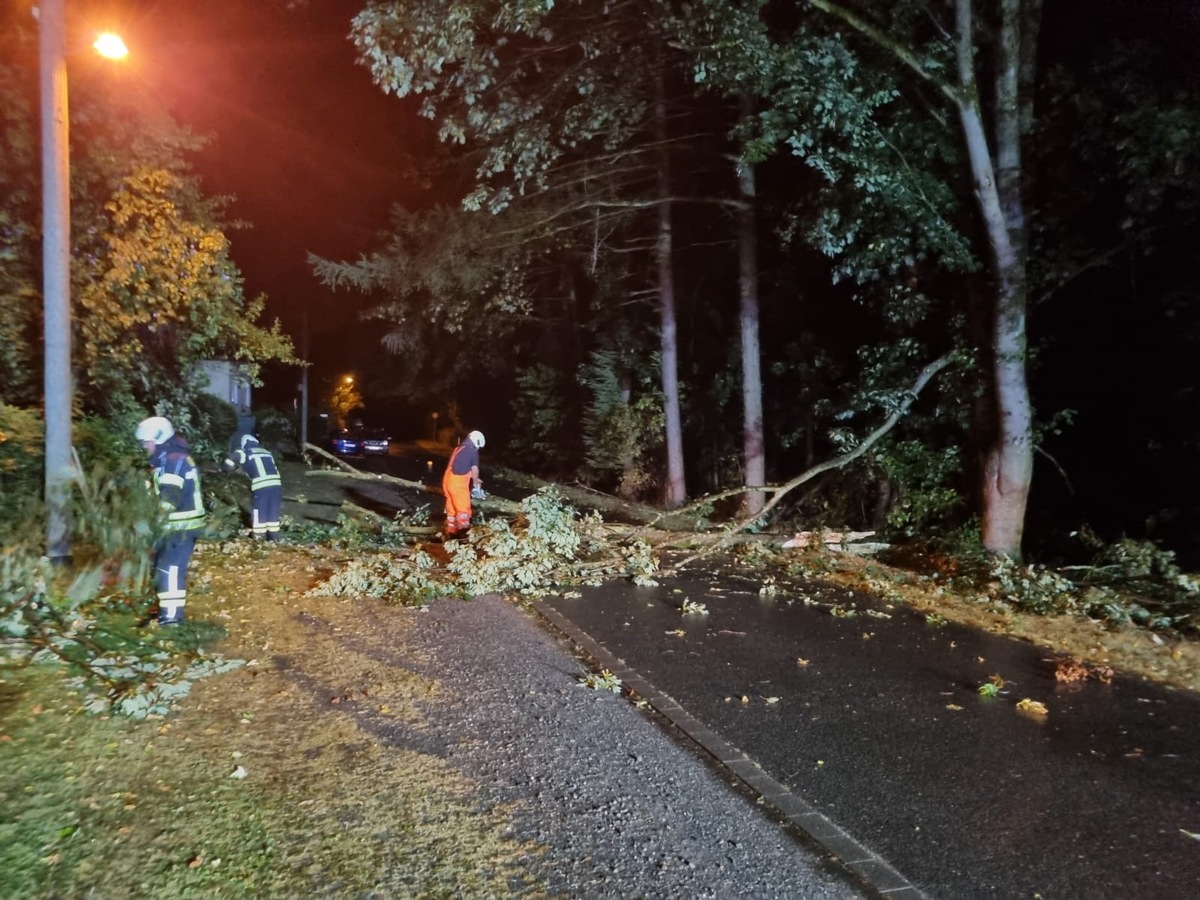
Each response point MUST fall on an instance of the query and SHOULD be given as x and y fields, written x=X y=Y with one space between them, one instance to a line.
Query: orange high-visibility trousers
x=457 y=489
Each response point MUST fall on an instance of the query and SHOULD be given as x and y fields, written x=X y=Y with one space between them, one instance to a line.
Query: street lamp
x=56 y=267
x=110 y=46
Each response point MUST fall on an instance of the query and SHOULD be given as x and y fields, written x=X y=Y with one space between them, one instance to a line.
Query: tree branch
x=888 y=43
x=348 y=471
x=780 y=491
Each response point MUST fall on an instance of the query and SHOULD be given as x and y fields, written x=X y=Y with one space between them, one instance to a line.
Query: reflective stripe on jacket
x=258 y=464
x=178 y=484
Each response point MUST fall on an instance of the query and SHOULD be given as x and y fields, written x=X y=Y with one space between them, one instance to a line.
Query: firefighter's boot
x=170 y=615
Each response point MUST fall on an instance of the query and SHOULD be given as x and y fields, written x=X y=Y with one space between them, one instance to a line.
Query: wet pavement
x=863 y=725
x=869 y=732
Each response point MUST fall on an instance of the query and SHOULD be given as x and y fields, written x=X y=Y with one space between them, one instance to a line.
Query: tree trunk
x=752 y=403
x=676 y=489
x=1008 y=462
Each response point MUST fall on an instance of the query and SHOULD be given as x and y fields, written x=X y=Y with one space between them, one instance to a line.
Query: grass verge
x=305 y=773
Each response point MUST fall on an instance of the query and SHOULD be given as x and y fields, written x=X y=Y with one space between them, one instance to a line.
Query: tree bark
x=676 y=488
x=1008 y=461
x=754 y=453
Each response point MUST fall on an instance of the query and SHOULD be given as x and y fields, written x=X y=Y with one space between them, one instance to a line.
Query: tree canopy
x=926 y=179
x=155 y=290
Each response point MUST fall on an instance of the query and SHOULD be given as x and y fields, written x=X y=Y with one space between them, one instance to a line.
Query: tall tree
x=998 y=184
x=569 y=102
x=753 y=449
x=676 y=489
x=852 y=109
x=160 y=293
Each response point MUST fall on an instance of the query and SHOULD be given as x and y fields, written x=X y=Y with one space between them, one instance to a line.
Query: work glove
x=477 y=493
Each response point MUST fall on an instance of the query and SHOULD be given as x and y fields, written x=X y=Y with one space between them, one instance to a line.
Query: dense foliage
x=88 y=617
x=870 y=132
x=153 y=286
x=154 y=292
x=548 y=545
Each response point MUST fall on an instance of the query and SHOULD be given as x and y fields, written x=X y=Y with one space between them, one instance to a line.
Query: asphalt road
x=872 y=728
x=607 y=802
x=876 y=723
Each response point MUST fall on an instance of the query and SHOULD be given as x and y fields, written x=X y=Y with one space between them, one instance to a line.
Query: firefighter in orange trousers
x=462 y=469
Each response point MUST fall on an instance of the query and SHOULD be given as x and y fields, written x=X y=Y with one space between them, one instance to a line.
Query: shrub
x=22 y=438
x=276 y=429
x=622 y=422
x=539 y=416
x=214 y=423
x=85 y=616
x=1129 y=582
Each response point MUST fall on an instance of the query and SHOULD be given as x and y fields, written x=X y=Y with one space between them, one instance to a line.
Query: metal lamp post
x=56 y=275
x=56 y=267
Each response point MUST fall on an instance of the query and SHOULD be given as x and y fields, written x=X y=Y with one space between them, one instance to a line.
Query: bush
x=931 y=500
x=108 y=442
x=215 y=422
x=277 y=430
x=539 y=417
x=22 y=438
x=84 y=616
x=1129 y=582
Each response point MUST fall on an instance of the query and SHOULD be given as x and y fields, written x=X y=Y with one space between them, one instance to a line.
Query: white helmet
x=156 y=429
x=476 y=438
x=248 y=439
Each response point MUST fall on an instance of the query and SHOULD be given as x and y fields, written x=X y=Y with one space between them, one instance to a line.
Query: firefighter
x=266 y=487
x=177 y=482
x=462 y=469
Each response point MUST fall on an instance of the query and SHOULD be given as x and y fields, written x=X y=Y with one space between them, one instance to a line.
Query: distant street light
x=56 y=267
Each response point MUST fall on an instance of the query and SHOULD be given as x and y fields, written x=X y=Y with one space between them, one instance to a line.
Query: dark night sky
x=312 y=151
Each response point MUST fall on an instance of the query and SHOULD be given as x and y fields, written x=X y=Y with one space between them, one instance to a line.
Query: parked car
x=376 y=440
x=346 y=443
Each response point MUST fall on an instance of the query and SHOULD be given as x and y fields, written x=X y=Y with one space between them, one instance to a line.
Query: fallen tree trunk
x=680 y=528
x=345 y=470
x=579 y=495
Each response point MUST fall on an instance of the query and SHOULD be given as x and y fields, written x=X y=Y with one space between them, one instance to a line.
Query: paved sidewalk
x=868 y=732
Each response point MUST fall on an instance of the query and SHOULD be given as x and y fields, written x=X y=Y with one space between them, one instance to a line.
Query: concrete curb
x=872 y=869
